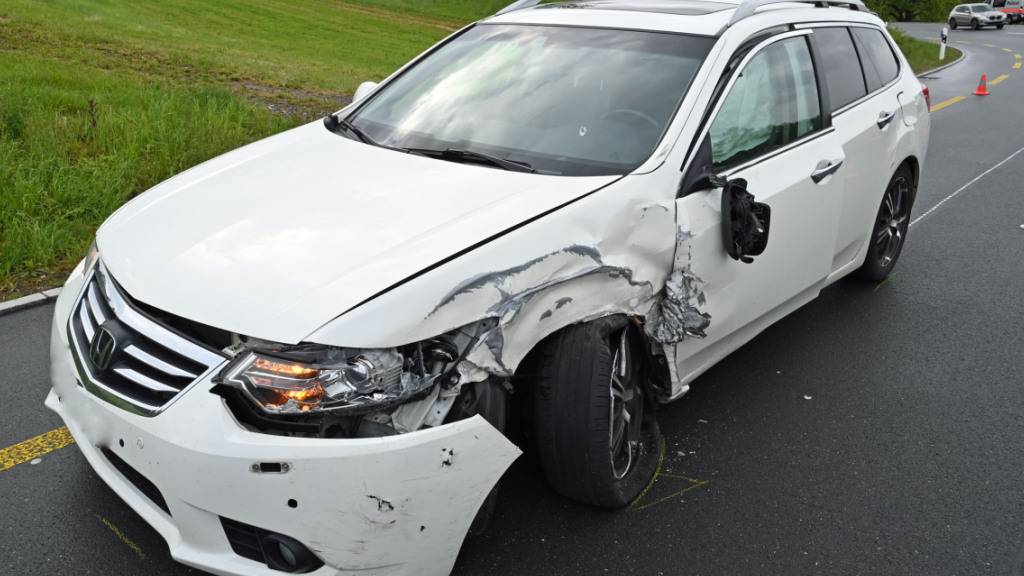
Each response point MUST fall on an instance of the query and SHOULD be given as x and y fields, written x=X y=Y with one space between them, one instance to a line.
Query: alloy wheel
x=893 y=221
x=627 y=408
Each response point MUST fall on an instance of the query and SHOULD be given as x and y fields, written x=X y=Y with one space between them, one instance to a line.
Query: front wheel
x=975 y=25
x=952 y=24
x=891 y=226
x=597 y=438
x=1000 y=26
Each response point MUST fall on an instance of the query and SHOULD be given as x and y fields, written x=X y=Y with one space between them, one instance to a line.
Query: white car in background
x=976 y=16
x=304 y=356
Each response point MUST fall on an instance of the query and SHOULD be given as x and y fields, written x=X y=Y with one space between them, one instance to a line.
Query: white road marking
x=965 y=187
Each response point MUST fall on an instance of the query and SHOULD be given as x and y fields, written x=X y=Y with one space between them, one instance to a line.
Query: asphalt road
x=876 y=431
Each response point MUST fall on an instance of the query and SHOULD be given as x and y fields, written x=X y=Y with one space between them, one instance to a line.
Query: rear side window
x=841 y=66
x=880 y=64
x=773 y=102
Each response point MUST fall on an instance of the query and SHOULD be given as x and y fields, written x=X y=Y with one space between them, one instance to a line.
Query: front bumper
x=391 y=506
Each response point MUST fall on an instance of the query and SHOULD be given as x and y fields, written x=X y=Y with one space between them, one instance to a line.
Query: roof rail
x=745 y=10
x=519 y=5
x=748 y=7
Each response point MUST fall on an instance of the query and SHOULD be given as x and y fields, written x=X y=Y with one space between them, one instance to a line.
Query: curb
x=30 y=301
x=963 y=54
x=945 y=66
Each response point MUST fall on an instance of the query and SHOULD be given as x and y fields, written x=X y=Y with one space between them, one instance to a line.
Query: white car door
x=862 y=124
x=869 y=131
x=770 y=130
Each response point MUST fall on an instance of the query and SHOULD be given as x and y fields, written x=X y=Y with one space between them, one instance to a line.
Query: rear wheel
x=597 y=437
x=891 y=225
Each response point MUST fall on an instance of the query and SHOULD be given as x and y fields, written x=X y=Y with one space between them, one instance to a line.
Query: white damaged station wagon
x=306 y=355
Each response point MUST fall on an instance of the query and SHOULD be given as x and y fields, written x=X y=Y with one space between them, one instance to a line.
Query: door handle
x=825 y=169
x=886 y=118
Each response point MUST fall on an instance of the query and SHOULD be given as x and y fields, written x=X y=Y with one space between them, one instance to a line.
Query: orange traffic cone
x=983 y=86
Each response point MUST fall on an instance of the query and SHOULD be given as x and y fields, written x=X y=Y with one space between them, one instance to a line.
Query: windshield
x=980 y=7
x=568 y=101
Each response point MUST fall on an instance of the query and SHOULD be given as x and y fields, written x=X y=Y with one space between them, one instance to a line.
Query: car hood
x=277 y=238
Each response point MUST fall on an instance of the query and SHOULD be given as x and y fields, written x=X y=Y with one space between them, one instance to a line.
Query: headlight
x=320 y=379
x=91 y=256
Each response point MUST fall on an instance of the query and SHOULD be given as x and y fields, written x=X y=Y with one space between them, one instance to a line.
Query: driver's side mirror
x=364 y=89
x=746 y=223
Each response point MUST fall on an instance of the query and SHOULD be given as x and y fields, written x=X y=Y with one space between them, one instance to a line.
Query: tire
x=952 y=24
x=593 y=448
x=889 y=233
x=975 y=25
x=1000 y=26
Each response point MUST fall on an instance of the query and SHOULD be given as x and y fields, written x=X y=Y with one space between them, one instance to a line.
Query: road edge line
x=965 y=187
x=30 y=301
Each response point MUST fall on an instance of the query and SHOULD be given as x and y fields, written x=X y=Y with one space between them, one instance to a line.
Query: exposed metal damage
x=512 y=289
x=677 y=315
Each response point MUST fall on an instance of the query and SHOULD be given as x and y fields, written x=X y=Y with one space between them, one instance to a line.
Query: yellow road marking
x=1007 y=50
x=947 y=103
x=34 y=448
x=989 y=46
x=999 y=80
x=122 y=536
x=1017 y=66
x=883 y=283
x=1018 y=56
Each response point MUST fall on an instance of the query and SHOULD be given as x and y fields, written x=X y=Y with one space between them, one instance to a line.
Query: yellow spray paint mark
x=692 y=484
x=654 y=478
x=1007 y=50
x=1017 y=66
x=122 y=537
x=989 y=46
x=1002 y=78
x=947 y=103
x=34 y=448
x=1018 y=56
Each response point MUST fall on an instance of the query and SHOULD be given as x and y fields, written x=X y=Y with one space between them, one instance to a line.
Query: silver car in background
x=976 y=16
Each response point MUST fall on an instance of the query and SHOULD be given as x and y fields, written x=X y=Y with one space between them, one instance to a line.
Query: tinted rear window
x=839 y=60
x=880 y=64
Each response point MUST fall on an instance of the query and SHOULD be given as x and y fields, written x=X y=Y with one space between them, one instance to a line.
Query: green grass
x=102 y=99
x=922 y=55
x=74 y=146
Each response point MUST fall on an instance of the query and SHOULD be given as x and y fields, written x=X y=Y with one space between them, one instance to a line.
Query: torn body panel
x=608 y=253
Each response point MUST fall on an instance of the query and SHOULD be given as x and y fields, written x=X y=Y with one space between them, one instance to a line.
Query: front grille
x=148 y=489
x=126 y=357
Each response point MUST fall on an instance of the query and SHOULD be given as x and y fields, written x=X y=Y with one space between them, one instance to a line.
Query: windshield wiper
x=333 y=123
x=467 y=156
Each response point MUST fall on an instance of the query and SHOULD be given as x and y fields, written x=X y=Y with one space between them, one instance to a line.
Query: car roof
x=701 y=17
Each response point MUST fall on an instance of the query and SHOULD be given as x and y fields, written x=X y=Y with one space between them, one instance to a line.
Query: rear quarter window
x=839 y=61
x=880 y=63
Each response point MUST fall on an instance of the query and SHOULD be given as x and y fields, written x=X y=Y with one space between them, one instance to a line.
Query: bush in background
x=913 y=10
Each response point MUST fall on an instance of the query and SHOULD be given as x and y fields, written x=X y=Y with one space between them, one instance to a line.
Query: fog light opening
x=288 y=555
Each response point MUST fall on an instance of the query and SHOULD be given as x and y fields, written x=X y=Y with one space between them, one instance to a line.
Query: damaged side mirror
x=745 y=223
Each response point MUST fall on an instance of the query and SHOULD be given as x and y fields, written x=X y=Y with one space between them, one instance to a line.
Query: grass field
x=99 y=99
